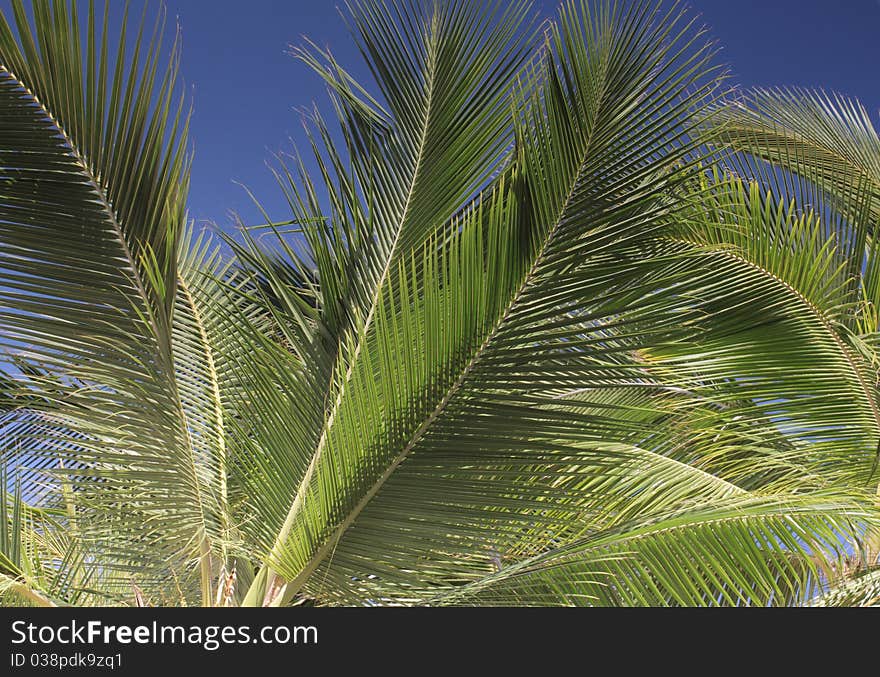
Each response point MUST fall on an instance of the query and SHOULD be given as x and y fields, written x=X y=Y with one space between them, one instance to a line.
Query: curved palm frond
x=641 y=564
x=435 y=359
x=523 y=339
x=94 y=181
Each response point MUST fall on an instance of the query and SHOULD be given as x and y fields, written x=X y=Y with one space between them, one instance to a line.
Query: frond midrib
x=363 y=330
x=621 y=537
x=817 y=313
x=216 y=401
x=162 y=339
x=103 y=199
x=329 y=543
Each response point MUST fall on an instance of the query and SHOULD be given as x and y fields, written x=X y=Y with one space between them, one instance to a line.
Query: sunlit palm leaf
x=94 y=178
x=441 y=362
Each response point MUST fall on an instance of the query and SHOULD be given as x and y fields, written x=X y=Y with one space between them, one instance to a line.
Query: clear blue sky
x=246 y=88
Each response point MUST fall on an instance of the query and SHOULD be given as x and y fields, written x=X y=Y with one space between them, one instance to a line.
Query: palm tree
x=543 y=328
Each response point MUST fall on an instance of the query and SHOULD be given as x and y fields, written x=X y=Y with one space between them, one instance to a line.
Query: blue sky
x=246 y=89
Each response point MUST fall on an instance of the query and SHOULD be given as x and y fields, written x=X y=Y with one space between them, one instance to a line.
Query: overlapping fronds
x=553 y=323
x=94 y=174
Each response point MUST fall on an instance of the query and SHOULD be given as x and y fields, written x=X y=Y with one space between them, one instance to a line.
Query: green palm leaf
x=94 y=181
x=555 y=323
x=437 y=352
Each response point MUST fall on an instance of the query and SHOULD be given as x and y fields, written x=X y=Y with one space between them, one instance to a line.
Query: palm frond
x=551 y=323
x=440 y=354
x=753 y=551
x=94 y=181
